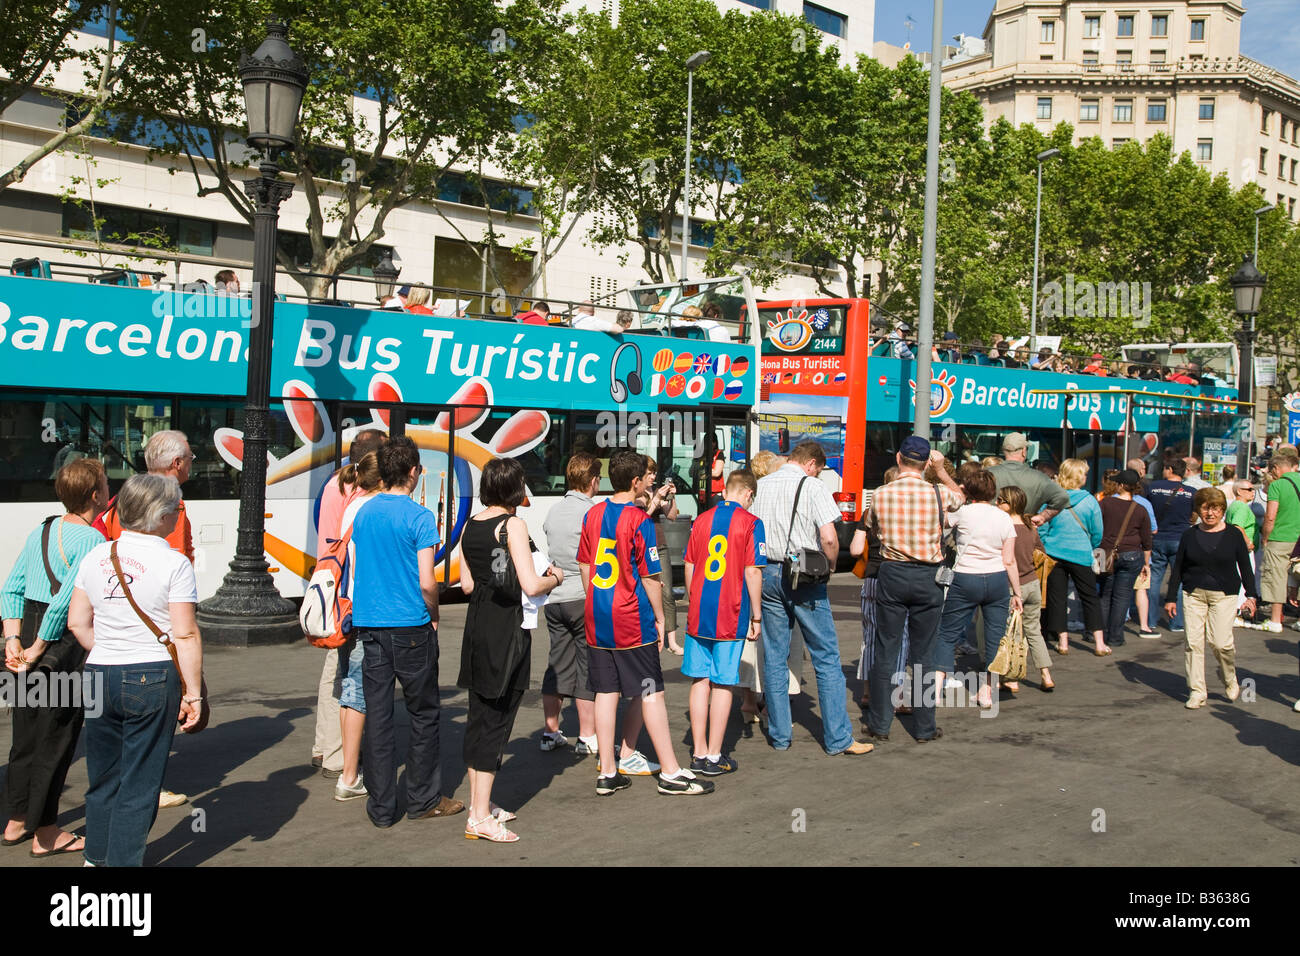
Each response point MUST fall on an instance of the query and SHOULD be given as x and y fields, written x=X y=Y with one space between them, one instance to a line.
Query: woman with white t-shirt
x=985 y=574
x=364 y=476
x=117 y=617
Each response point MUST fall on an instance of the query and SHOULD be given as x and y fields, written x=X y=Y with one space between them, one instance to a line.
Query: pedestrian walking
x=1280 y=531
x=339 y=491
x=1171 y=499
x=1126 y=539
x=39 y=648
x=1211 y=564
x=122 y=617
x=909 y=515
x=798 y=513
x=1012 y=500
x=566 y=610
x=724 y=579
x=495 y=653
x=1069 y=539
x=395 y=615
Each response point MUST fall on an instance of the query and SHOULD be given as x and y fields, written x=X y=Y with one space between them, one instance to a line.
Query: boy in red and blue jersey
x=619 y=562
x=724 y=559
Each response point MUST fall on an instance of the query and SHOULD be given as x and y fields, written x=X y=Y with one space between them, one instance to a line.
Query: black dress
x=494 y=656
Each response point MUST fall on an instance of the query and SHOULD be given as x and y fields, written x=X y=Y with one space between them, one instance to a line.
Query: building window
x=1124 y=58
x=1118 y=142
x=1158 y=58
x=1265 y=116
x=1044 y=107
x=1263 y=160
x=1047 y=31
x=1207 y=108
x=1293 y=168
x=1290 y=211
x=1204 y=150
x=1160 y=25
x=1092 y=27
x=1156 y=111
x=1047 y=56
x=1281 y=167
x=1089 y=111
x=1281 y=129
x=828 y=21
x=1281 y=200
x=1198 y=30
x=761 y=4
x=1123 y=111
x=137 y=227
x=1125 y=28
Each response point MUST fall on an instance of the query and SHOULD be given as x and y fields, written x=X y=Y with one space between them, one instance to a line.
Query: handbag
x=943 y=575
x=64 y=655
x=1012 y=660
x=1108 y=565
x=1043 y=565
x=807 y=565
x=867 y=564
x=205 y=709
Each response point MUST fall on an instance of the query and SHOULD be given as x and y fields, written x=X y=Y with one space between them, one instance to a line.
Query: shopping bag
x=1012 y=659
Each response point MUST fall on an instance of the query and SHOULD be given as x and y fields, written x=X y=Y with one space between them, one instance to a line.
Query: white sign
x=1265 y=371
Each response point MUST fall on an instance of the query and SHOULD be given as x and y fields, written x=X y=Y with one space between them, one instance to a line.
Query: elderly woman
x=35 y=609
x=1068 y=540
x=123 y=618
x=1211 y=565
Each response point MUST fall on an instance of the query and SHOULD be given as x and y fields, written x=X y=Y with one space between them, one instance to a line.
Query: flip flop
x=4 y=841
x=57 y=851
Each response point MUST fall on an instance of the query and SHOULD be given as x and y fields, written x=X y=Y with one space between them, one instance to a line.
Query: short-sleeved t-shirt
x=388 y=534
x=1242 y=516
x=1172 y=501
x=981 y=530
x=618 y=542
x=1286 y=526
x=724 y=542
x=157 y=575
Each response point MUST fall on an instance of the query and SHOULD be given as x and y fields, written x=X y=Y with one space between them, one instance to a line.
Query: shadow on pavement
x=1278 y=739
x=1170 y=683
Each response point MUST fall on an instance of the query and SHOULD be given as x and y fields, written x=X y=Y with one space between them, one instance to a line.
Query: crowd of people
x=949 y=558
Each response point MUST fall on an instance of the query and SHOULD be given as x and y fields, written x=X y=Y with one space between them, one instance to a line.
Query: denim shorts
x=352 y=694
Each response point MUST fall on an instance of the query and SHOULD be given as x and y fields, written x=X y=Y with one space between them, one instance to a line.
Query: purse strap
x=793 y=508
x=1122 y=528
x=163 y=638
x=55 y=583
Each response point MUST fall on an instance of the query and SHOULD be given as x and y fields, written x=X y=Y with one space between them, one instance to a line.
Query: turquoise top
x=1064 y=539
x=29 y=581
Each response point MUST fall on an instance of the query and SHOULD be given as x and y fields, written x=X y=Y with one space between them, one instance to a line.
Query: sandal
x=1102 y=651
x=58 y=850
x=502 y=835
x=23 y=838
x=502 y=815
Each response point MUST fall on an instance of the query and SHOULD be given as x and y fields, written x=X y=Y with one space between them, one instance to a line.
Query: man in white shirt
x=1193 y=478
x=586 y=318
x=793 y=492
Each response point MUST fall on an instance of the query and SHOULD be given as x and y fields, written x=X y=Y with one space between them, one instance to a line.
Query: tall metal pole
x=686 y=192
x=1245 y=389
x=1033 y=303
x=247 y=608
x=925 y=335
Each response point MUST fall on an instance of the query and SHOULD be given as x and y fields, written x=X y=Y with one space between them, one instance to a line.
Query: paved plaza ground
x=1112 y=750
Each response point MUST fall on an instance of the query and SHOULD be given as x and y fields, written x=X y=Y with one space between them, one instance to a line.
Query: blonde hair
x=692 y=312
x=1072 y=473
x=417 y=297
x=764 y=463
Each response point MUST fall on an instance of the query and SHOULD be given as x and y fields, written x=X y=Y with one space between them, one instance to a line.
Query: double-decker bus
x=820 y=382
x=95 y=370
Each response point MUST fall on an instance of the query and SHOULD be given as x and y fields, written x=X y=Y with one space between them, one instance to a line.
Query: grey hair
x=164 y=448
x=1241 y=484
x=146 y=500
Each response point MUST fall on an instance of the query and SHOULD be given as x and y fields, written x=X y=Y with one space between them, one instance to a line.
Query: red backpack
x=326 y=614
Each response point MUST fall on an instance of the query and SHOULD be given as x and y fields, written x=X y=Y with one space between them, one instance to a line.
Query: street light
x=1043 y=157
x=693 y=63
x=925 y=307
x=247 y=609
x=1247 y=290
x=386 y=272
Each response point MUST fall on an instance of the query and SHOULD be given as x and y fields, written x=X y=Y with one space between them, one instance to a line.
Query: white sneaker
x=553 y=741
x=953 y=683
x=586 y=746
x=1233 y=691
x=1195 y=702
x=342 y=792
x=1296 y=708
x=167 y=799
x=1273 y=627
x=1295 y=625
x=635 y=764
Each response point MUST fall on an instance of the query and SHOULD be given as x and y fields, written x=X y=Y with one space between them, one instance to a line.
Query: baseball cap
x=1015 y=441
x=950 y=336
x=1128 y=477
x=915 y=447
x=404 y=290
x=1097 y=356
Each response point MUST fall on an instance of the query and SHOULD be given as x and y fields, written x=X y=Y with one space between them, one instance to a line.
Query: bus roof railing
x=1185 y=399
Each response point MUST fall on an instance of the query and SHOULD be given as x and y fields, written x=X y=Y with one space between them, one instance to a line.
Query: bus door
x=1102 y=450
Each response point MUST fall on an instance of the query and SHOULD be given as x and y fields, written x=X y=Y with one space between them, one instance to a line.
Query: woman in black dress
x=495 y=653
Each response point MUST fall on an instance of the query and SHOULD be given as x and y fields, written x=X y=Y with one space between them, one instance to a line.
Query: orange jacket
x=180 y=539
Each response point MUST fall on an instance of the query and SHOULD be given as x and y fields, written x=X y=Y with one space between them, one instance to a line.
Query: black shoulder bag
x=808 y=565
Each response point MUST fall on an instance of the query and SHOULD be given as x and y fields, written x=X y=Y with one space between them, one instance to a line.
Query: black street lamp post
x=1247 y=290
x=247 y=608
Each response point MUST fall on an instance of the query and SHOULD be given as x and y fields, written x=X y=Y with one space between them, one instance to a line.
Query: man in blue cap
x=909 y=516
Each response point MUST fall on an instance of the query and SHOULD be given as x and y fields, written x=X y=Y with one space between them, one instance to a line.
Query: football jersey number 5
x=605 y=558
x=715 y=566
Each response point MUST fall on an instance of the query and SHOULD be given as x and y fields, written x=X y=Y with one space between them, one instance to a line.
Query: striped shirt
x=774 y=502
x=906 y=512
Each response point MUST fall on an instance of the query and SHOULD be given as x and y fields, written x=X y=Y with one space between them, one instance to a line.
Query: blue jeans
x=812 y=609
x=1117 y=594
x=908 y=601
x=989 y=592
x=127 y=747
x=352 y=692
x=1163 y=552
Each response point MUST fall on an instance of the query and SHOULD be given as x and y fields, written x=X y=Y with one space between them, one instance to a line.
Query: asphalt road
x=1108 y=770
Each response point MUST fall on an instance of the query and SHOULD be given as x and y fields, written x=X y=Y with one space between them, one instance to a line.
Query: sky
x=1270 y=31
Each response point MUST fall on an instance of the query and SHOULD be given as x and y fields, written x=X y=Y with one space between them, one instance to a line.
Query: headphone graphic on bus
x=618 y=391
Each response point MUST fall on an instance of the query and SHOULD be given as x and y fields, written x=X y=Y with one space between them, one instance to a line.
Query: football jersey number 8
x=716 y=564
x=605 y=557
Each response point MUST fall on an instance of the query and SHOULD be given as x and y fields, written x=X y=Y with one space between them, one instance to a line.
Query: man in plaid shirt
x=909 y=514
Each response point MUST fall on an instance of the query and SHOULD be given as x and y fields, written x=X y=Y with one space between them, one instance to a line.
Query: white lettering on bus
x=65 y=326
x=92 y=337
x=131 y=342
x=307 y=341
x=438 y=338
x=384 y=347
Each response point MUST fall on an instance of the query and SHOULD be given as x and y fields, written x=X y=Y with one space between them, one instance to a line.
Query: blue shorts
x=719 y=661
x=353 y=694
